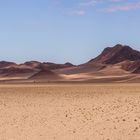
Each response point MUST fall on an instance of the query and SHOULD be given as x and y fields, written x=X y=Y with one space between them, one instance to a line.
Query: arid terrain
x=96 y=100
x=119 y=63
x=70 y=112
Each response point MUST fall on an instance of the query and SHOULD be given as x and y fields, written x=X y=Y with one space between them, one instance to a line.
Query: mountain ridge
x=120 y=61
x=116 y=54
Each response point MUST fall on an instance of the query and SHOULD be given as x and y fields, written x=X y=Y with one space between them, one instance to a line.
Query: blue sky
x=66 y=30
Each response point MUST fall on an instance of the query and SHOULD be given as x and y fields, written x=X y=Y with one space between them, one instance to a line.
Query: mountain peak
x=116 y=54
x=120 y=46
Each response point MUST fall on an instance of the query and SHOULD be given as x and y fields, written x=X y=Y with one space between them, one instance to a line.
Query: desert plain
x=70 y=111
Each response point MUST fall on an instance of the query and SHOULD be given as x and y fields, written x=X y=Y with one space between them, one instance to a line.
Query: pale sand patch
x=70 y=112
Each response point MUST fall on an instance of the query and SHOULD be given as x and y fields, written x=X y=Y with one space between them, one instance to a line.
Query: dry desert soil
x=70 y=112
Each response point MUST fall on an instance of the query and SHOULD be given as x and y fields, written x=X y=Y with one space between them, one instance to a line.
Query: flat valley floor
x=70 y=112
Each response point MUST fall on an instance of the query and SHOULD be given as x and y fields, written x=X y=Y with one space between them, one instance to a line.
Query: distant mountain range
x=120 y=63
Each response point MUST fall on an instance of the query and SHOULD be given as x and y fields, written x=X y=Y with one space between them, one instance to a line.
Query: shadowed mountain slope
x=118 y=63
x=45 y=75
x=54 y=66
x=4 y=64
x=120 y=57
x=29 y=68
x=116 y=54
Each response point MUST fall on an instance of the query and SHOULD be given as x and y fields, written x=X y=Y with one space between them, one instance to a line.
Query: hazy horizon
x=66 y=31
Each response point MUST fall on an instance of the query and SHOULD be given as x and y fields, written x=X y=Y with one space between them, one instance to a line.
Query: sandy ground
x=70 y=112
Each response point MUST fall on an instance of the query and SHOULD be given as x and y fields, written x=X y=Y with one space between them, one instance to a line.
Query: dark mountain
x=32 y=64
x=54 y=66
x=45 y=75
x=4 y=64
x=132 y=66
x=120 y=61
x=31 y=69
x=137 y=70
x=117 y=54
x=14 y=70
x=123 y=56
